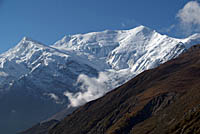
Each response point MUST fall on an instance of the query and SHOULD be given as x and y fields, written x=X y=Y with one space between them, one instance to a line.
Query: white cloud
x=54 y=97
x=91 y=89
x=189 y=17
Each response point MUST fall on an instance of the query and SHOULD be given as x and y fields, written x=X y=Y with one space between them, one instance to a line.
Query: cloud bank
x=91 y=89
x=189 y=17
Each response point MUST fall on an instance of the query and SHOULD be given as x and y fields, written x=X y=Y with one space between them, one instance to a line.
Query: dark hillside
x=156 y=101
x=163 y=100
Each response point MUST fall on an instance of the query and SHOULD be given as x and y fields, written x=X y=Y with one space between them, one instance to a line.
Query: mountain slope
x=42 y=64
x=120 y=55
x=124 y=49
x=36 y=74
x=77 y=69
x=125 y=53
x=150 y=103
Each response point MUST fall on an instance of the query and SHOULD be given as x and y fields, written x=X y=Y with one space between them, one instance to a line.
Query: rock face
x=77 y=69
x=158 y=101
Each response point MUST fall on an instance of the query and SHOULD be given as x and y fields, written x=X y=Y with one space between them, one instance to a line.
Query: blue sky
x=49 y=20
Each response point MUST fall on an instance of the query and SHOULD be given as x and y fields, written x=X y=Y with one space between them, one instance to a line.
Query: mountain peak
x=142 y=29
x=25 y=46
x=28 y=39
x=25 y=38
x=27 y=42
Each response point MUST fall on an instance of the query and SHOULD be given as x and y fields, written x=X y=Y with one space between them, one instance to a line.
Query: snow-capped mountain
x=83 y=67
x=120 y=54
x=125 y=53
x=33 y=78
x=43 y=68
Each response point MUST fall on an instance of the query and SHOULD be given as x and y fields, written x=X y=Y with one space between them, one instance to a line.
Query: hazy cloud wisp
x=91 y=89
x=189 y=17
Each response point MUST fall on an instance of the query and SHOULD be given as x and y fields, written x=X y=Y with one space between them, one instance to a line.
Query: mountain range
x=38 y=80
x=163 y=100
